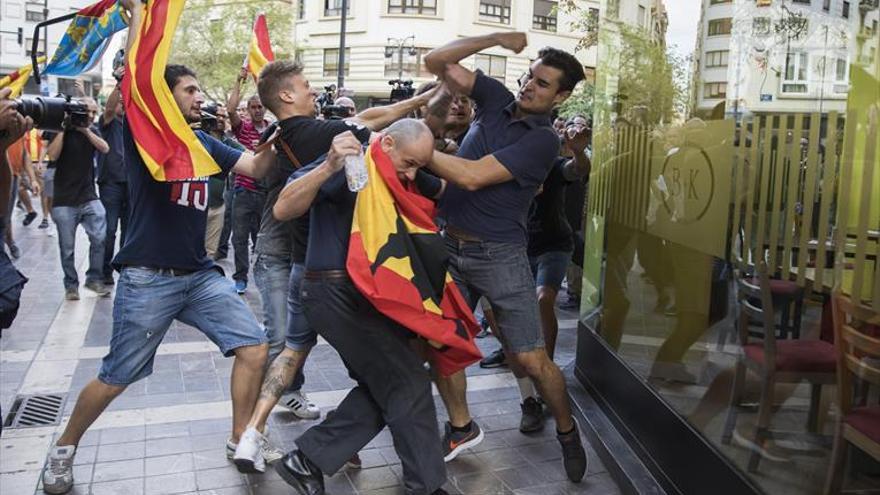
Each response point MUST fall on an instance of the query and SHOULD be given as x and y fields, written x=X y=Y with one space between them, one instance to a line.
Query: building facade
x=773 y=56
x=15 y=48
x=387 y=39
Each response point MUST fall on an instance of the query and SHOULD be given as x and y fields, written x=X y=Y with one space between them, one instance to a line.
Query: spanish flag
x=398 y=261
x=18 y=78
x=260 y=50
x=87 y=37
x=165 y=141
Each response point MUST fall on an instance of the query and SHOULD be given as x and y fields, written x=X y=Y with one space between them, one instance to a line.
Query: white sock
x=526 y=388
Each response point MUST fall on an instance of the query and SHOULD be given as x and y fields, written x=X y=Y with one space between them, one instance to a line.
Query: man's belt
x=326 y=275
x=173 y=272
x=460 y=235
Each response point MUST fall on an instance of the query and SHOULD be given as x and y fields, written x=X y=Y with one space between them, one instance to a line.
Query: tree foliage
x=650 y=78
x=213 y=36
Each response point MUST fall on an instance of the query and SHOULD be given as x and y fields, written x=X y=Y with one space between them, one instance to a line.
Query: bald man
x=394 y=389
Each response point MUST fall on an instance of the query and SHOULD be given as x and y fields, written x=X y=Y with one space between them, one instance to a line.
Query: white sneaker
x=300 y=405
x=253 y=452
x=58 y=472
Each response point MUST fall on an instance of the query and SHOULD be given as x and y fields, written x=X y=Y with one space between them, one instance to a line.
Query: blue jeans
x=114 y=197
x=148 y=300
x=549 y=268
x=92 y=217
x=300 y=334
x=272 y=276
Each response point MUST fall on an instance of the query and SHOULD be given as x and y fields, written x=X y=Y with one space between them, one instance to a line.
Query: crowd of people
x=492 y=161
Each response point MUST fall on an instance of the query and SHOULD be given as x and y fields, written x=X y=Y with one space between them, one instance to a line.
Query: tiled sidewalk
x=166 y=434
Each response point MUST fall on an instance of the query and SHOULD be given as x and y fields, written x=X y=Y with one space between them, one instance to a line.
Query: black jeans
x=246 y=216
x=393 y=388
x=114 y=197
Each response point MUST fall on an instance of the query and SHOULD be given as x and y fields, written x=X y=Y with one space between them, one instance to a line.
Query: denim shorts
x=148 y=301
x=549 y=268
x=300 y=335
x=499 y=272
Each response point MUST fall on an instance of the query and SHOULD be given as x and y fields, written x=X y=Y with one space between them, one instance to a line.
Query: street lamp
x=408 y=43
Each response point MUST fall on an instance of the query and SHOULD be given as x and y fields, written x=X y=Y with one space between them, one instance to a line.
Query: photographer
x=12 y=127
x=75 y=201
x=111 y=179
x=344 y=102
x=214 y=119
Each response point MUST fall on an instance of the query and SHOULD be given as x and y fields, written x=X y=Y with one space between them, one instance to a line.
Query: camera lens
x=47 y=113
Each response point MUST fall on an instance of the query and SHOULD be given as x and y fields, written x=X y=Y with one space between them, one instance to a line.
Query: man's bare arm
x=255 y=165
x=110 y=107
x=53 y=151
x=96 y=140
x=378 y=118
x=444 y=61
x=235 y=98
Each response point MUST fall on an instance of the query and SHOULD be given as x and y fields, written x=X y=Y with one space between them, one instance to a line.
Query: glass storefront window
x=750 y=138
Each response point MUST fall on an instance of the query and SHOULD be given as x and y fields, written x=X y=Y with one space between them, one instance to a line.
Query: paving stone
x=484 y=483
x=169 y=464
x=123 y=487
x=85 y=455
x=120 y=451
x=122 y=435
x=170 y=484
x=165 y=446
x=167 y=430
x=501 y=458
x=218 y=478
x=209 y=459
x=372 y=479
x=118 y=470
x=522 y=477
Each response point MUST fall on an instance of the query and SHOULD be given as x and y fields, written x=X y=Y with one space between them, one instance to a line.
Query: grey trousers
x=393 y=388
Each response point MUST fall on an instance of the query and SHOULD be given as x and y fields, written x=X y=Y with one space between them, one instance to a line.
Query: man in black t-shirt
x=281 y=246
x=551 y=239
x=111 y=179
x=165 y=275
x=75 y=201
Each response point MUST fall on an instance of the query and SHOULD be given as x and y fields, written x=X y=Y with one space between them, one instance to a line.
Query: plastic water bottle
x=356 y=172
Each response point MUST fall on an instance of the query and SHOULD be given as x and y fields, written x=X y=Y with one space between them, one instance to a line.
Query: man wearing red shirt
x=249 y=196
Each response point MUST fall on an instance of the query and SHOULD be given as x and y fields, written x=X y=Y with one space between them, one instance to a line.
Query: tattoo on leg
x=277 y=378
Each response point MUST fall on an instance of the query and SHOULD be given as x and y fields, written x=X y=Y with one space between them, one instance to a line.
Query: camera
x=401 y=89
x=335 y=112
x=327 y=97
x=209 y=121
x=54 y=114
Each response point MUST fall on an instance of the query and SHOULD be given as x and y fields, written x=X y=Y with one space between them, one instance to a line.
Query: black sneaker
x=532 y=416
x=298 y=471
x=494 y=360
x=574 y=457
x=44 y=224
x=29 y=218
x=454 y=442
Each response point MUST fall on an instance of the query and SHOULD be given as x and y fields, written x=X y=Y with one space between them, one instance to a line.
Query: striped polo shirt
x=247 y=134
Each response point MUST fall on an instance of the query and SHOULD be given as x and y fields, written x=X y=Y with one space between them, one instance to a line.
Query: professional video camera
x=209 y=121
x=54 y=114
x=401 y=89
x=335 y=112
x=327 y=97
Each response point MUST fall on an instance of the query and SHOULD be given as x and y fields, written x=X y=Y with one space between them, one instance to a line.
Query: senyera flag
x=260 y=50
x=18 y=78
x=398 y=261
x=165 y=141
x=87 y=37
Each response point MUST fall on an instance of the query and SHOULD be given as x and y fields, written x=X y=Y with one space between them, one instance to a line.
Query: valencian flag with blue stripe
x=87 y=37
x=168 y=146
x=398 y=261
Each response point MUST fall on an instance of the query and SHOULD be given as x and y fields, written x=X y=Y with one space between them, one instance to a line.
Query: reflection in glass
x=748 y=138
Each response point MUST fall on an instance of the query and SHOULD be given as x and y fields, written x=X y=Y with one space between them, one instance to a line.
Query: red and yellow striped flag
x=17 y=79
x=164 y=139
x=260 y=50
x=398 y=261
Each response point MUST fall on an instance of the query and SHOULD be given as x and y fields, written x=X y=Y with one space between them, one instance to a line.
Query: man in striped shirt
x=249 y=196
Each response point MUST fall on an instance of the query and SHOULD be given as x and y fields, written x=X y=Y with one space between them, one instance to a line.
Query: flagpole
x=340 y=70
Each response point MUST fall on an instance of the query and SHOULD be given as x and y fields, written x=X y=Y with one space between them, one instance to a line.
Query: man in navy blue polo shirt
x=504 y=158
